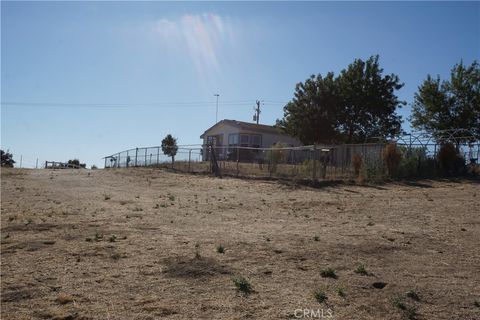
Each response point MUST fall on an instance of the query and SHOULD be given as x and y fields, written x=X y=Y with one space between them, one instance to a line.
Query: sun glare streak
x=204 y=37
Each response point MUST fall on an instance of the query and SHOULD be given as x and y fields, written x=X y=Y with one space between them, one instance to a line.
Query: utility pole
x=216 y=113
x=256 y=116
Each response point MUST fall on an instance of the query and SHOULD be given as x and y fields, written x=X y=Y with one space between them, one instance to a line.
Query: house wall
x=268 y=139
x=223 y=130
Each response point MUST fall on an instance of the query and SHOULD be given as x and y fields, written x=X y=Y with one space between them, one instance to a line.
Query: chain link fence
x=326 y=162
x=315 y=162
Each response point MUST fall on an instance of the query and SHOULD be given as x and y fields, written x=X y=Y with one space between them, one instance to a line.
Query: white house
x=226 y=135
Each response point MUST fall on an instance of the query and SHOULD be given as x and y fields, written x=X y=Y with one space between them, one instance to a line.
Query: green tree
x=7 y=159
x=356 y=106
x=368 y=102
x=311 y=116
x=451 y=104
x=169 y=147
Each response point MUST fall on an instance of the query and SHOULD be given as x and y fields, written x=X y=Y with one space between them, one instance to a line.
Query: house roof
x=246 y=126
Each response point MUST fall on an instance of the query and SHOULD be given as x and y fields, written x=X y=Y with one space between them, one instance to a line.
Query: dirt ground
x=142 y=244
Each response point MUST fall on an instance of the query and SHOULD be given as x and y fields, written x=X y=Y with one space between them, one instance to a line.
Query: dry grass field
x=143 y=244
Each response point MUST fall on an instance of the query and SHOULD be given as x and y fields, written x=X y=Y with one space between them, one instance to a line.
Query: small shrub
x=242 y=284
x=361 y=270
x=316 y=238
x=112 y=238
x=275 y=156
x=197 y=250
x=411 y=312
x=98 y=236
x=320 y=296
x=476 y=304
x=399 y=303
x=107 y=197
x=171 y=198
x=413 y=295
x=220 y=249
x=116 y=256
x=392 y=157
x=341 y=292
x=357 y=163
x=328 y=273
x=371 y=171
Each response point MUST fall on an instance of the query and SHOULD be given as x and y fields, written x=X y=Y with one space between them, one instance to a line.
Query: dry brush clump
x=357 y=163
x=392 y=157
x=450 y=160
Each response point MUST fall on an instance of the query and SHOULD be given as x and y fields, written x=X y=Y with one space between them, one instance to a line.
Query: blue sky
x=101 y=77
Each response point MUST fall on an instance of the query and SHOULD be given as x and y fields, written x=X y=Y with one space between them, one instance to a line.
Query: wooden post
x=36 y=164
x=238 y=161
x=158 y=155
x=136 y=156
x=146 y=149
x=314 y=167
x=189 y=158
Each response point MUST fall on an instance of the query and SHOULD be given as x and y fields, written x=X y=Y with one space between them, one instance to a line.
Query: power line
x=209 y=104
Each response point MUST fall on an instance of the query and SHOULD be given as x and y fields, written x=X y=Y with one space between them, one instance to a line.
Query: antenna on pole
x=256 y=116
x=216 y=112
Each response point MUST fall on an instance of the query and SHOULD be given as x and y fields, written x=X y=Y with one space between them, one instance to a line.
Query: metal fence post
x=158 y=155
x=136 y=156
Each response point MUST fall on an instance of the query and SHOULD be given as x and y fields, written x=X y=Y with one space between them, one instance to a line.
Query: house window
x=216 y=140
x=211 y=140
x=233 y=139
x=244 y=140
x=255 y=140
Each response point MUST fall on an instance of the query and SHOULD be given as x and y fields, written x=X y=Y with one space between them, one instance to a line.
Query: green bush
x=307 y=167
x=275 y=156
x=372 y=171
x=415 y=163
x=242 y=284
